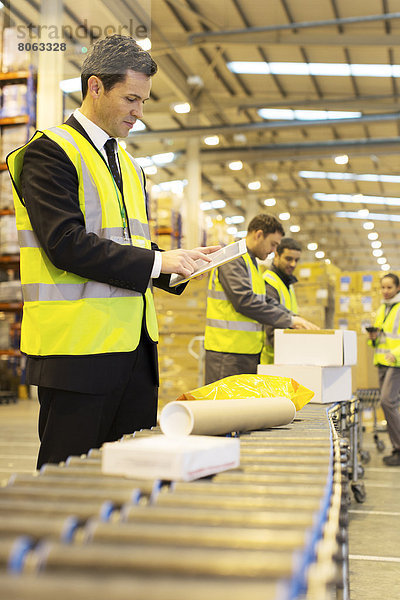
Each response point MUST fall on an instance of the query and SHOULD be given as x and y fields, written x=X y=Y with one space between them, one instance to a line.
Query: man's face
x=267 y=244
x=117 y=109
x=287 y=261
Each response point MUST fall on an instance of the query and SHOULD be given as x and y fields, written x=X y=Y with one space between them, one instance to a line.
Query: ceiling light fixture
x=163 y=159
x=234 y=220
x=254 y=185
x=322 y=69
x=312 y=246
x=235 y=165
x=181 y=107
x=287 y=114
x=368 y=225
x=337 y=175
x=357 y=199
x=145 y=44
x=373 y=235
x=68 y=86
x=294 y=228
x=378 y=252
x=211 y=140
x=138 y=126
x=284 y=216
x=342 y=159
x=376 y=244
x=381 y=260
x=385 y=267
x=151 y=170
x=375 y=216
x=270 y=202
x=214 y=204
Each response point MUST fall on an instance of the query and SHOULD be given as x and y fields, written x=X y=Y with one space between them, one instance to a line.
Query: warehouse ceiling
x=295 y=44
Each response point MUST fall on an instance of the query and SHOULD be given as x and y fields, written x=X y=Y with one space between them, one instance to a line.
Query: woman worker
x=385 y=338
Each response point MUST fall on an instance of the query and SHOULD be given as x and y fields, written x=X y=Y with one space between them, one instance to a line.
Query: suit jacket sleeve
x=50 y=192
x=235 y=281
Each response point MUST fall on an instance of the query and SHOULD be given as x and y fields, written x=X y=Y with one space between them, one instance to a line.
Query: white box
x=329 y=384
x=176 y=459
x=324 y=348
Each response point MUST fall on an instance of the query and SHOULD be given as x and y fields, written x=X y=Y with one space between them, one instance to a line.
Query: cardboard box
x=329 y=384
x=176 y=459
x=326 y=347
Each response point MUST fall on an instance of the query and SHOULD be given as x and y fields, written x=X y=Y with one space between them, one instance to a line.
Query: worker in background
x=385 y=338
x=238 y=308
x=279 y=282
x=88 y=265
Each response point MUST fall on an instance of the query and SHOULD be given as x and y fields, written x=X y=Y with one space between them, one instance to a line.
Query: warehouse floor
x=374 y=539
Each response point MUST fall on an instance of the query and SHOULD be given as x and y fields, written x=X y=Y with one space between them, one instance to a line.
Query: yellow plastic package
x=252 y=386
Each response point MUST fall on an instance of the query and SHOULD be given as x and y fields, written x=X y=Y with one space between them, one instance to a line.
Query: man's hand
x=183 y=261
x=390 y=358
x=300 y=323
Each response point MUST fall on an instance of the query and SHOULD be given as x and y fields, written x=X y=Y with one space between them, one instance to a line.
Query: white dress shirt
x=99 y=138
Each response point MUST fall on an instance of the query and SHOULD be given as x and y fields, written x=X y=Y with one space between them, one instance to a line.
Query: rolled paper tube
x=216 y=417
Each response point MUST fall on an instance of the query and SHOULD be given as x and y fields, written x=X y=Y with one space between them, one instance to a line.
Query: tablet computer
x=220 y=257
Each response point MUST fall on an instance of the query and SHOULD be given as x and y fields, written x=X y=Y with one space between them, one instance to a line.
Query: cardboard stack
x=358 y=298
x=315 y=292
x=165 y=219
x=180 y=320
x=319 y=360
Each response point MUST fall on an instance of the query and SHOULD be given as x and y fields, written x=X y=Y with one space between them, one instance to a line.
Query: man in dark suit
x=89 y=328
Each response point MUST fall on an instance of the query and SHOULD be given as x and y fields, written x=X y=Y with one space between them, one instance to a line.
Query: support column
x=50 y=68
x=193 y=193
x=252 y=208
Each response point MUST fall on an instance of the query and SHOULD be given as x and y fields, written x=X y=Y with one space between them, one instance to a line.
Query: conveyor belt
x=273 y=528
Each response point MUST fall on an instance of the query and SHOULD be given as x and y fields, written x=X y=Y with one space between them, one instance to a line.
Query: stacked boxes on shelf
x=357 y=299
x=181 y=319
x=165 y=220
x=315 y=292
x=319 y=360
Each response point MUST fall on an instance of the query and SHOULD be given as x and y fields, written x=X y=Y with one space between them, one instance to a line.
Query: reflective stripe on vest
x=65 y=314
x=226 y=329
x=389 y=338
x=287 y=297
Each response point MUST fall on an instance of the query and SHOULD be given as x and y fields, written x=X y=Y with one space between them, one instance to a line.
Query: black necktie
x=110 y=147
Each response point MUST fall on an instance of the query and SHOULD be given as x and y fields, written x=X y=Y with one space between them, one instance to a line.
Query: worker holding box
x=385 y=338
x=238 y=308
x=279 y=280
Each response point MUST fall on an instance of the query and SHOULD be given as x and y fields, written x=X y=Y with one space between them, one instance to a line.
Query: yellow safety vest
x=226 y=329
x=389 y=338
x=287 y=298
x=65 y=314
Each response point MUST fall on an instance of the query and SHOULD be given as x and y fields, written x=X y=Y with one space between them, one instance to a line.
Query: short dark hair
x=110 y=58
x=267 y=223
x=394 y=277
x=288 y=243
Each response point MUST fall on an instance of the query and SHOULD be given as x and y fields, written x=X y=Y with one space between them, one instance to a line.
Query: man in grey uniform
x=237 y=306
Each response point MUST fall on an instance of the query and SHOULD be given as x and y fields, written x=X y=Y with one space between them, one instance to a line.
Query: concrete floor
x=374 y=530
x=374 y=525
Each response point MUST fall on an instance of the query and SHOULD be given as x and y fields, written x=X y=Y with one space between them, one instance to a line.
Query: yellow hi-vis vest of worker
x=226 y=329
x=65 y=314
x=389 y=337
x=287 y=298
